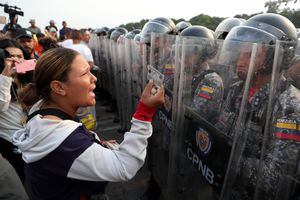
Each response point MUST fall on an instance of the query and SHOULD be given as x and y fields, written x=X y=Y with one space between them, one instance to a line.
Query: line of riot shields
x=230 y=125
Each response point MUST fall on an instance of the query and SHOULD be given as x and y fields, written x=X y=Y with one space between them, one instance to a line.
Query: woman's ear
x=58 y=88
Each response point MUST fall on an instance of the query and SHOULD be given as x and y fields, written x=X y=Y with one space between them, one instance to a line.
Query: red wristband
x=144 y=112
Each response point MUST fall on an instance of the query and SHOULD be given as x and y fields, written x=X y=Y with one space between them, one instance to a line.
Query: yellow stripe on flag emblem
x=286 y=125
x=207 y=89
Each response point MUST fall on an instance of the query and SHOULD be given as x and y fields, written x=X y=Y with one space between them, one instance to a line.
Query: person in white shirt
x=68 y=39
x=81 y=48
x=86 y=36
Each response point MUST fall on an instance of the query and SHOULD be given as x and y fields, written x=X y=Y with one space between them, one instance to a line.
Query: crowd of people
x=54 y=95
x=242 y=79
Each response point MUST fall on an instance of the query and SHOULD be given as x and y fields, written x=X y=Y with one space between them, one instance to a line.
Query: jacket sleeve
x=5 y=97
x=97 y=163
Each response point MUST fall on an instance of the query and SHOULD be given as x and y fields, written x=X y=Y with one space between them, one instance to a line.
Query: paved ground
x=137 y=188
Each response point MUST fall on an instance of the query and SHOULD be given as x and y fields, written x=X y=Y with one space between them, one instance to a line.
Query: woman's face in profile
x=80 y=84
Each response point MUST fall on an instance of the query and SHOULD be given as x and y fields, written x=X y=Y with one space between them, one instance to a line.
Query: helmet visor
x=152 y=27
x=251 y=34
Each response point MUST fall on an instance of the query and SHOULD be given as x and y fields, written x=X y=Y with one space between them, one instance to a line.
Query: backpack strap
x=51 y=111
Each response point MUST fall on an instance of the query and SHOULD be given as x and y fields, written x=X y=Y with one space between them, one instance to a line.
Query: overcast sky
x=111 y=13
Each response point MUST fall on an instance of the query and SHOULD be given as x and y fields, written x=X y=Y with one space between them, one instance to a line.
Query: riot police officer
x=117 y=33
x=101 y=31
x=264 y=30
x=180 y=26
x=132 y=34
x=226 y=25
x=109 y=32
x=280 y=167
x=207 y=86
x=137 y=37
x=157 y=25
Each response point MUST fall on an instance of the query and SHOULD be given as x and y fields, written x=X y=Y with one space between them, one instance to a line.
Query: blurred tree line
x=272 y=6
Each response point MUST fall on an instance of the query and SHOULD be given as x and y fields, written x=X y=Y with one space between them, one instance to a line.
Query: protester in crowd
x=47 y=43
x=12 y=114
x=62 y=32
x=66 y=161
x=81 y=48
x=11 y=185
x=33 y=28
x=68 y=39
x=13 y=25
x=53 y=33
x=86 y=36
x=51 y=24
x=25 y=39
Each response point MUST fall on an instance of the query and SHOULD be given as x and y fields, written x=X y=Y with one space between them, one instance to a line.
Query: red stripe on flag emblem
x=288 y=136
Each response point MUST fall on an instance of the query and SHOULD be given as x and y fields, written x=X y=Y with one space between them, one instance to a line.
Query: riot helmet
x=279 y=26
x=131 y=34
x=110 y=31
x=158 y=25
x=117 y=32
x=210 y=49
x=226 y=25
x=198 y=31
x=264 y=29
x=137 y=37
x=180 y=26
x=101 y=31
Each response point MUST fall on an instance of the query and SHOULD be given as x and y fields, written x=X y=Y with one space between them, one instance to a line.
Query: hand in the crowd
x=9 y=68
x=153 y=96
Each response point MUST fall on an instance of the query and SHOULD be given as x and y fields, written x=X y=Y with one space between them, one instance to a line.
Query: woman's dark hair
x=48 y=43
x=6 y=43
x=55 y=64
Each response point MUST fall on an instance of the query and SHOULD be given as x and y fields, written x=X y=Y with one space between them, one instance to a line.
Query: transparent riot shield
x=115 y=73
x=202 y=150
x=93 y=44
x=162 y=60
x=122 y=74
x=97 y=60
x=127 y=73
x=104 y=63
x=254 y=66
x=222 y=111
x=297 y=51
x=108 y=64
x=279 y=169
x=145 y=61
x=136 y=80
x=118 y=50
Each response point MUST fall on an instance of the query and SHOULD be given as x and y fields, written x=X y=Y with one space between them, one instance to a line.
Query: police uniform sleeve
x=208 y=96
